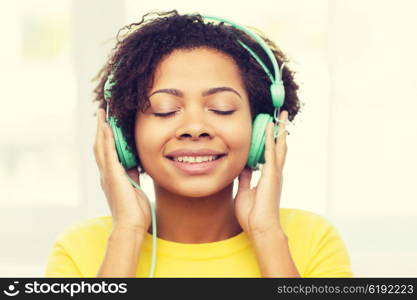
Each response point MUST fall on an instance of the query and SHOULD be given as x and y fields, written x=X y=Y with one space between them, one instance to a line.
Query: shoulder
x=86 y=232
x=290 y=217
x=306 y=226
x=316 y=244
x=79 y=248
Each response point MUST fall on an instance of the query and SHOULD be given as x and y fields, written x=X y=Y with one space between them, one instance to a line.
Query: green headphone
x=257 y=147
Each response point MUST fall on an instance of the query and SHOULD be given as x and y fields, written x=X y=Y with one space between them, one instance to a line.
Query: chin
x=201 y=190
x=198 y=188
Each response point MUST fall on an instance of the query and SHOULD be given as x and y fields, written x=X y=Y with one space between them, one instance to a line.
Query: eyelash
x=166 y=115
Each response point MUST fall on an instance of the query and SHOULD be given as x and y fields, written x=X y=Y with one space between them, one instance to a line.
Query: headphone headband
x=277 y=89
x=260 y=41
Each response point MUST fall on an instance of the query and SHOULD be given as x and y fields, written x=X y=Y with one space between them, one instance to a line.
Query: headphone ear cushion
x=126 y=158
x=257 y=148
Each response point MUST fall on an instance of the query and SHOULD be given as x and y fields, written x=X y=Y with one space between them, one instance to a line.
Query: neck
x=195 y=219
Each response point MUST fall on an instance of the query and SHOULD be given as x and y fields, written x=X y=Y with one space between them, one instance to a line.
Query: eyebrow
x=208 y=92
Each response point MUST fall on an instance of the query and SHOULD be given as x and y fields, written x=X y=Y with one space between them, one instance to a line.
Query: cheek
x=148 y=141
x=239 y=138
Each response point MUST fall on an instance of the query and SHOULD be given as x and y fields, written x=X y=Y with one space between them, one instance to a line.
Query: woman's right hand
x=129 y=206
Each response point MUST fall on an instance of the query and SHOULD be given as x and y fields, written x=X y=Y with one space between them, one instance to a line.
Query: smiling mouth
x=216 y=158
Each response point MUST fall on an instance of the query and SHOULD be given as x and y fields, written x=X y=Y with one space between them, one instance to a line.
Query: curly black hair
x=138 y=51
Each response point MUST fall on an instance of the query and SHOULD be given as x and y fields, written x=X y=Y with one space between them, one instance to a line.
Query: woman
x=185 y=92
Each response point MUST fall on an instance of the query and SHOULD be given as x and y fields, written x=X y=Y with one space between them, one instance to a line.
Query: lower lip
x=197 y=168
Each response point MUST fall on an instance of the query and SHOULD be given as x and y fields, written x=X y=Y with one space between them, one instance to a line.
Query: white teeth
x=195 y=159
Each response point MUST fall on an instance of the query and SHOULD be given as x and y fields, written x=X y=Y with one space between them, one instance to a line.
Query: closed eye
x=163 y=115
x=220 y=112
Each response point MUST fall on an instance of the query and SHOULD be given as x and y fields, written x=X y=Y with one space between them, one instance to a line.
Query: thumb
x=244 y=179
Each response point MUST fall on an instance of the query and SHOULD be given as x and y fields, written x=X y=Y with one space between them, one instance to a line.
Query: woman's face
x=194 y=85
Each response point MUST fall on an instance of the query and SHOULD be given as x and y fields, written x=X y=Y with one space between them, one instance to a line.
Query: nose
x=194 y=126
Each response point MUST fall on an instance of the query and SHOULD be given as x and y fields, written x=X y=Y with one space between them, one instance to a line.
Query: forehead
x=200 y=65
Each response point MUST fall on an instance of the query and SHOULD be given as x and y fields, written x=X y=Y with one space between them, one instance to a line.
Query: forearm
x=122 y=253
x=273 y=254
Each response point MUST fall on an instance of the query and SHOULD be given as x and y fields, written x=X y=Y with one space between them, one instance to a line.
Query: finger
x=268 y=168
x=111 y=159
x=98 y=144
x=245 y=178
x=281 y=143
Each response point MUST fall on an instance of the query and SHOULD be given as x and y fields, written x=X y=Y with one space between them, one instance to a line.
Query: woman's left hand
x=257 y=209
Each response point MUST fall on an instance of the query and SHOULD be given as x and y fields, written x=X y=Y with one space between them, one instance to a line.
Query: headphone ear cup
x=126 y=158
x=257 y=148
x=277 y=93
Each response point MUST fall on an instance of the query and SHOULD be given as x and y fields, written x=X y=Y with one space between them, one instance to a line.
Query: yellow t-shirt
x=315 y=246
